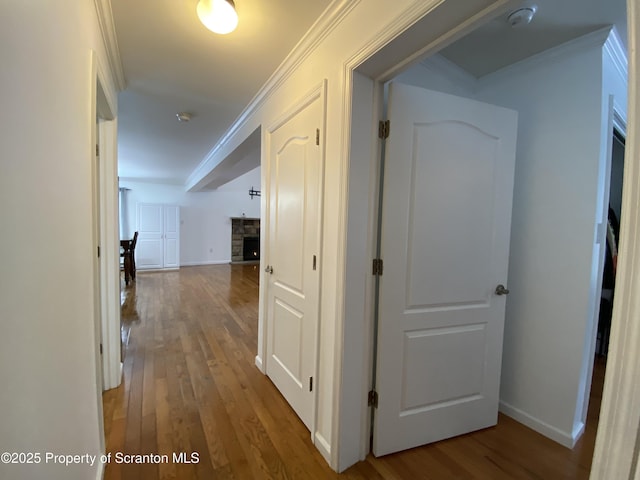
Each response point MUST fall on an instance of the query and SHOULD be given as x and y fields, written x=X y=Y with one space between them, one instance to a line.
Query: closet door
x=150 y=246
x=293 y=286
x=158 y=236
x=171 y=236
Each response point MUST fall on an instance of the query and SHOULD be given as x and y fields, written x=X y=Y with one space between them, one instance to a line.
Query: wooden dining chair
x=128 y=254
x=134 y=241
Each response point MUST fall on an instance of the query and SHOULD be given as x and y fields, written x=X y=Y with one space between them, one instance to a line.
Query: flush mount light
x=219 y=16
x=183 y=117
x=522 y=16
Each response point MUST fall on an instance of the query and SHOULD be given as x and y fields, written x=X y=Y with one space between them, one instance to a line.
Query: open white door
x=295 y=169
x=446 y=218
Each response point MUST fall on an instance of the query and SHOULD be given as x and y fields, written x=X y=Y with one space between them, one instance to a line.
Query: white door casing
x=293 y=256
x=446 y=217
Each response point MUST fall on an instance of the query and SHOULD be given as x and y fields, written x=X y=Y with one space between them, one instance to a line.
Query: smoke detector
x=522 y=16
x=183 y=117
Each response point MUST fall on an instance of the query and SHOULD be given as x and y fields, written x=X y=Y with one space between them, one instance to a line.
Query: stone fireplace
x=245 y=228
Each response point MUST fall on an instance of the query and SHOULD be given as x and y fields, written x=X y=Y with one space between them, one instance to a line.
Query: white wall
x=560 y=179
x=205 y=217
x=552 y=237
x=49 y=401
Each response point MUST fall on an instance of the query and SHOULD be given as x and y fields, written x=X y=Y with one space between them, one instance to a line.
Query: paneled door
x=171 y=250
x=158 y=236
x=295 y=175
x=446 y=214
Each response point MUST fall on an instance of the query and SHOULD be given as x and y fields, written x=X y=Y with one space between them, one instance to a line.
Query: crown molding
x=323 y=26
x=152 y=181
x=107 y=27
x=614 y=48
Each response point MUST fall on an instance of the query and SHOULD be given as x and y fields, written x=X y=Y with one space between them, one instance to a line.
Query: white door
x=295 y=166
x=150 y=248
x=446 y=217
x=171 y=236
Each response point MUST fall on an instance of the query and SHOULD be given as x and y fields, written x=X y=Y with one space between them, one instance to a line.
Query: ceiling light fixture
x=522 y=16
x=219 y=16
x=183 y=117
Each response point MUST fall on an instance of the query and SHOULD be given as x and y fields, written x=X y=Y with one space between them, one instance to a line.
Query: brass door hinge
x=378 y=266
x=383 y=129
x=372 y=399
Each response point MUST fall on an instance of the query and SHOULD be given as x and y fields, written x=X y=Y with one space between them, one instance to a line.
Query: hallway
x=190 y=385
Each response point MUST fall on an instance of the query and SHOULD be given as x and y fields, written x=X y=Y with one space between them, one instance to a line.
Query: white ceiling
x=497 y=44
x=173 y=64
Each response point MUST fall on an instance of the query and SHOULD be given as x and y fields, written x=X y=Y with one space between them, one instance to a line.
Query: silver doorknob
x=501 y=290
x=269 y=269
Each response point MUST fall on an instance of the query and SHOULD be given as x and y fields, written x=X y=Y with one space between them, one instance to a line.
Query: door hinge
x=314 y=262
x=377 y=266
x=97 y=150
x=317 y=136
x=98 y=251
x=311 y=384
x=372 y=399
x=383 y=129
x=100 y=349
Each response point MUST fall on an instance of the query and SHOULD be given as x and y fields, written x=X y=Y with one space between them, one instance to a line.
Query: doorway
x=563 y=424
x=612 y=243
x=104 y=143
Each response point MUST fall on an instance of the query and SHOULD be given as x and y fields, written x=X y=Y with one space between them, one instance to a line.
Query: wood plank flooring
x=190 y=385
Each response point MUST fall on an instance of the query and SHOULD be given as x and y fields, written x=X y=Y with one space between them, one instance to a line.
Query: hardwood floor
x=190 y=385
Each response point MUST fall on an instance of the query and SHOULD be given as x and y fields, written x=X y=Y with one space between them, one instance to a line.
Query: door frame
x=617 y=442
x=365 y=75
x=105 y=111
x=317 y=93
x=103 y=132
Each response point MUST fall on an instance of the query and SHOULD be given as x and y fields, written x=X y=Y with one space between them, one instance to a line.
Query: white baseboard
x=208 y=262
x=323 y=446
x=563 y=438
x=100 y=472
x=155 y=270
x=259 y=363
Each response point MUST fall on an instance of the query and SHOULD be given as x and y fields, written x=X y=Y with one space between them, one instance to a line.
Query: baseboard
x=100 y=472
x=577 y=432
x=259 y=363
x=154 y=270
x=323 y=446
x=208 y=262
x=563 y=438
